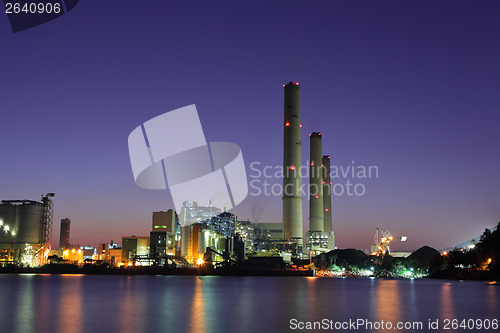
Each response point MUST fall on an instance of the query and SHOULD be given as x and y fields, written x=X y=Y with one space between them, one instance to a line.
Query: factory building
x=25 y=231
x=292 y=181
x=164 y=236
x=166 y=221
x=64 y=233
x=274 y=230
x=110 y=253
x=134 y=247
x=194 y=213
x=214 y=239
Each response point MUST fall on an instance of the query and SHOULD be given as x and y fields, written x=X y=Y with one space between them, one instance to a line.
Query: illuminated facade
x=133 y=247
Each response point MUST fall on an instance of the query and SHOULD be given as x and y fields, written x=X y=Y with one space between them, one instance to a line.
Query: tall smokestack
x=327 y=194
x=292 y=181
x=316 y=216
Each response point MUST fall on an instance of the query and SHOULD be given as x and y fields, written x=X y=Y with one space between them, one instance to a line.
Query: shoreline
x=230 y=271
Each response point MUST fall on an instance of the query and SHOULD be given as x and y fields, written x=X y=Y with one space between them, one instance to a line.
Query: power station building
x=25 y=231
x=164 y=235
x=64 y=233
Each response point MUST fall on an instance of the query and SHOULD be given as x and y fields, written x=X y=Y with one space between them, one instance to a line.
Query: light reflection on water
x=56 y=303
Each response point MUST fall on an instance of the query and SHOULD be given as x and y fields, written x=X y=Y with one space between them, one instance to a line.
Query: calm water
x=68 y=303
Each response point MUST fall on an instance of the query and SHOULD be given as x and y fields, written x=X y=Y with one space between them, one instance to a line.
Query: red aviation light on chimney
x=323 y=181
x=287 y=123
x=292 y=168
x=317 y=196
x=326 y=209
x=312 y=163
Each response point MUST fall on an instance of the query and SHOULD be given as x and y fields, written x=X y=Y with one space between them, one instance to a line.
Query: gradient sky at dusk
x=412 y=87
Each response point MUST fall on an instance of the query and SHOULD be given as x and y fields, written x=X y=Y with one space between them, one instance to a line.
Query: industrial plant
x=196 y=233
x=25 y=230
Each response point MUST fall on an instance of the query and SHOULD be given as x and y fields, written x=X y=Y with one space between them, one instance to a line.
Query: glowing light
x=326 y=209
x=200 y=261
x=301 y=125
x=13 y=233
x=1 y=222
x=6 y=228
x=312 y=163
x=287 y=124
x=317 y=196
x=130 y=264
x=444 y=253
x=292 y=168
x=323 y=181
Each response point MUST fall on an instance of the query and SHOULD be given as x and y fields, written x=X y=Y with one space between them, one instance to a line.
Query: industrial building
x=25 y=231
x=213 y=240
x=194 y=213
x=164 y=236
x=110 y=253
x=134 y=247
x=64 y=233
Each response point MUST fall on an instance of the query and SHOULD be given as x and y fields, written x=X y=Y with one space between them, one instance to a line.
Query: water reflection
x=492 y=300
x=218 y=304
x=127 y=322
x=447 y=301
x=25 y=306
x=197 y=318
x=70 y=304
x=388 y=306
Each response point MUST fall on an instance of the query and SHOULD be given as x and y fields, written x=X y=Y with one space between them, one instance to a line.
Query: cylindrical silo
x=8 y=223
x=30 y=217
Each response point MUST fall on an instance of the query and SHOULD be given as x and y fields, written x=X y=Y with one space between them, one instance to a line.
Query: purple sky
x=409 y=86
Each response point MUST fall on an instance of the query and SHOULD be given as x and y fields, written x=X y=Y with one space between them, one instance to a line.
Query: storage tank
x=30 y=217
x=8 y=223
